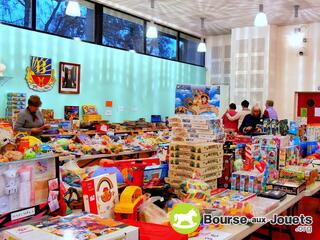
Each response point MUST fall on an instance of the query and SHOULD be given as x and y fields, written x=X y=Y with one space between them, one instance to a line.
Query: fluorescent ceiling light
x=261 y=18
x=73 y=9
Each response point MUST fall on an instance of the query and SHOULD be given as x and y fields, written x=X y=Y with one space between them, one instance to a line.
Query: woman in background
x=227 y=123
x=30 y=120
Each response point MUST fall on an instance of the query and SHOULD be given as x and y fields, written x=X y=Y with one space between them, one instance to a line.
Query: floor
x=307 y=206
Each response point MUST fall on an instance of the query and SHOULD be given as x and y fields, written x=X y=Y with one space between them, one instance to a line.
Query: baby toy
x=11 y=187
x=25 y=174
x=131 y=198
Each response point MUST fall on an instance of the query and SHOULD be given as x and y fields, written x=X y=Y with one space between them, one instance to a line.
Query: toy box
x=251 y=181
x=271 y=141
x=289 y=186
x=288 y=156
x=225 y=180
x=71 y=113
x=155 y=172
x=262 y=206
x=82 y=226
x=100 y=195
x=309 y=174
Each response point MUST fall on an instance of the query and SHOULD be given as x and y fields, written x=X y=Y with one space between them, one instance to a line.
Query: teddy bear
x=13 y=155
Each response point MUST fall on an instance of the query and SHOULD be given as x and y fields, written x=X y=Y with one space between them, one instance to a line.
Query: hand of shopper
x=46 y=126
x=248 y=129
x=36 y=130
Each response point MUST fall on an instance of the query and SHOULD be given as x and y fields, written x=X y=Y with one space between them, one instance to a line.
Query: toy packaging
x=228 y=162
x=15 y=103
x=251 y=181
x=71 y=113
x=309 y=174
x=262 y=206
x=289 y=186
x=100 y=194
x=201 y=160
x=48 y=114
x=24 y=189
x=82 y=227
x=288 y=156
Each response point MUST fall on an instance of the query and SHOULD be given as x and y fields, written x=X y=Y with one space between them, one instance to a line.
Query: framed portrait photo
x=69 y=78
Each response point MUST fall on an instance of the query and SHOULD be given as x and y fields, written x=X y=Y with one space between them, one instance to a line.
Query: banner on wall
x=197 y=100
x=40 y=75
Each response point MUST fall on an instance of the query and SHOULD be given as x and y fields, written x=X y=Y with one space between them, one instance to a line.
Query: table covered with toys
x=101 y=187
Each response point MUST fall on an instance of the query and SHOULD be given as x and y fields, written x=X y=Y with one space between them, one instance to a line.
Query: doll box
x=100 y=195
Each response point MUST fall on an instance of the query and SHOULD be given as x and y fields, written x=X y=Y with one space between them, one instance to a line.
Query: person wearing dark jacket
x=250 y=122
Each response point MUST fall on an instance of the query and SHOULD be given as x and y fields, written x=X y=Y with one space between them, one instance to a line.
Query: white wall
x=290 y=72
x=294 y=72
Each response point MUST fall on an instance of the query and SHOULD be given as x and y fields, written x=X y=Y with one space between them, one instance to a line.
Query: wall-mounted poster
x=69 y=78
x=71 y=112
x=40 y=75
x=197 y=100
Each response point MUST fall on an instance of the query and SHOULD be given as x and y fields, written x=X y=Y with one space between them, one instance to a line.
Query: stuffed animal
x=3 y=158
x=13 y=155
x=29 y=154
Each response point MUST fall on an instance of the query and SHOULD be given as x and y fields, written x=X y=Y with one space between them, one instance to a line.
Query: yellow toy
x=131 y=198
x=32 y=140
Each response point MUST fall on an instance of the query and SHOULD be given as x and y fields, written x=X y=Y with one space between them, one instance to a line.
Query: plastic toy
x=25 y=193
x=11 y=187
x=132 y=169
x=130 y=200
x=29 y=154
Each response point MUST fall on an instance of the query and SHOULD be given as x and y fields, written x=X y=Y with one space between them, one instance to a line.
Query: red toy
x=132 y=169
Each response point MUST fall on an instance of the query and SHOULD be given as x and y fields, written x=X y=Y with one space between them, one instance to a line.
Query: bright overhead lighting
x=152 y=31
x=261 y=18
x=296 y=38
x=202 y=47
x=73 y=9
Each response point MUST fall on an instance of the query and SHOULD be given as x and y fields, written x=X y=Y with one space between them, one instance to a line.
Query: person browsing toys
x=241 y=114
x=30 y=120
x=270 y=112
x=250 y=122
x=228 y=124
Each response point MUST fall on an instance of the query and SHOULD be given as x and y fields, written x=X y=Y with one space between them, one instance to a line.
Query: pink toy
x=25 y=194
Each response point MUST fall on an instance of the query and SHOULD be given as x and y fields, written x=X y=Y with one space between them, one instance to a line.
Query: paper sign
x=120 y=109
x=303 y=112
x=108 y=113
x=317 y=112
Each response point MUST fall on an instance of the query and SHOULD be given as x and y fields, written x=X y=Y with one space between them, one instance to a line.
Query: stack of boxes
x=190 y=160
x=15 y=103
x=196 y=128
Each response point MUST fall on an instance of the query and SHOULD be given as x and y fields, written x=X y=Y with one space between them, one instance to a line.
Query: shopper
x=241 y=114
x=230 y=124
x=30 y=120
x=270 y=112
x=250 y=122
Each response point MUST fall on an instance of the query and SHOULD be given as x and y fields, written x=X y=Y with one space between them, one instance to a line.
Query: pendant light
x=202 y=45
x=261 y=18
x=296 y=38
x=152 y=31
x=73 y=9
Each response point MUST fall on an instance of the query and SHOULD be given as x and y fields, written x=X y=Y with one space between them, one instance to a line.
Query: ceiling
x=220 y=15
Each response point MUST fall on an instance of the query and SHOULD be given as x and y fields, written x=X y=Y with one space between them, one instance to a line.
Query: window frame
x=98 y=30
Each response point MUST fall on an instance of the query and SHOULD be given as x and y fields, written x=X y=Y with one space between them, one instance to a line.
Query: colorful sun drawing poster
x=40 y=75
x=197 y=100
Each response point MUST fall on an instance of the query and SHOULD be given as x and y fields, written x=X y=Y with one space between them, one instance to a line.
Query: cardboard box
x=289 y=186
x=100 y=195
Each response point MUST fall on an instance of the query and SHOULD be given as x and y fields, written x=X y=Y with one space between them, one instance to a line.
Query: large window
x=52 y=18
x=188 y=50
x=16 y=12
x=165 y=45
x=122 y=31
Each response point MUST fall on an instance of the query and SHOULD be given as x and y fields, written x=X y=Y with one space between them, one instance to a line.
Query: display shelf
x=44 y=157
x=89 y=157
x=4 y=79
